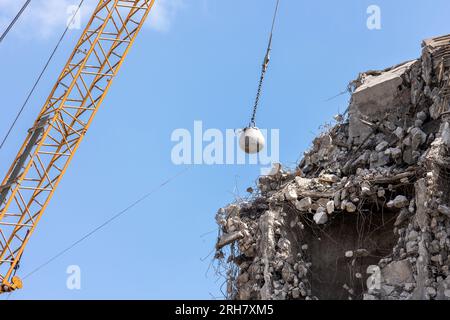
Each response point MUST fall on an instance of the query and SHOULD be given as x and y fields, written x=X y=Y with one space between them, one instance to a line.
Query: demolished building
x=366 y=213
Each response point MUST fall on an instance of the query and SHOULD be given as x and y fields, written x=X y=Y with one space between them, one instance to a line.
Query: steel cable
x=5 y=138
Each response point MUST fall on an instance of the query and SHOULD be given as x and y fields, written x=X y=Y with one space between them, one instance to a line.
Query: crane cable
x=106 y=223
x=5 y=33
x=103 y=225
x=40 y=76
x=265 y=65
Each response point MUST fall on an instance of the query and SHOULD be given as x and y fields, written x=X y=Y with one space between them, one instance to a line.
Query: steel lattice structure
x=61 y=125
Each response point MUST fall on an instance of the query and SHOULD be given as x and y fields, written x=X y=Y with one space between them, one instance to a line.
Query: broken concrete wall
x=366 y=213
x=378 y=96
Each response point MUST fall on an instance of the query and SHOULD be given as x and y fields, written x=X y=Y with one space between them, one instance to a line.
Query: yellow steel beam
x=61 y=125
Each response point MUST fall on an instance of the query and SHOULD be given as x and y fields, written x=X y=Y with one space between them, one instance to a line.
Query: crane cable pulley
x=264 y=68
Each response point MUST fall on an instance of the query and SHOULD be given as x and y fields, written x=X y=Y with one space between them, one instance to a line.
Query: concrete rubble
x=366 y=213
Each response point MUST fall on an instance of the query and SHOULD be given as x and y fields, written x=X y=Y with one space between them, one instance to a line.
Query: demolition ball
x=251 y=140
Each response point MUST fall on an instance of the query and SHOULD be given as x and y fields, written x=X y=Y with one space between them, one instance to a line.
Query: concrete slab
x=376 y=96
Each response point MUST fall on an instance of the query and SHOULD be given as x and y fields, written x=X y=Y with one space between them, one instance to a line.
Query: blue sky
x=195 y=60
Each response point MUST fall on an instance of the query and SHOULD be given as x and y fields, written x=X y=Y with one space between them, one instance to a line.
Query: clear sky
x=195 y=60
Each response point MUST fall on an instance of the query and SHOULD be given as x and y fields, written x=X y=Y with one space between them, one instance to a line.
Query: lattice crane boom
x=62 y=124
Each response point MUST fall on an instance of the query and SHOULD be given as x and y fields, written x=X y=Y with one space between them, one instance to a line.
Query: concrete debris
x=349 y=254
x=229 y=238
x=444 y=210
x=376 y=95
x=401 y=217
x=397 y=273
x=445 y=134
x=290 y=194
x=330 y=178
x=348 y=206
x=381 y=146
x=330 y=207
x=304 y=204
x=400 y=202
x=361 y=253
x=321 y=217
x=376 y=184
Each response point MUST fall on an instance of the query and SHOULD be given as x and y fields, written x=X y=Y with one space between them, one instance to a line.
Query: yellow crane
x=61 y=125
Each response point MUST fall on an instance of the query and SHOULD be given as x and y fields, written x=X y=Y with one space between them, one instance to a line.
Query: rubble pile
x=366 y=214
